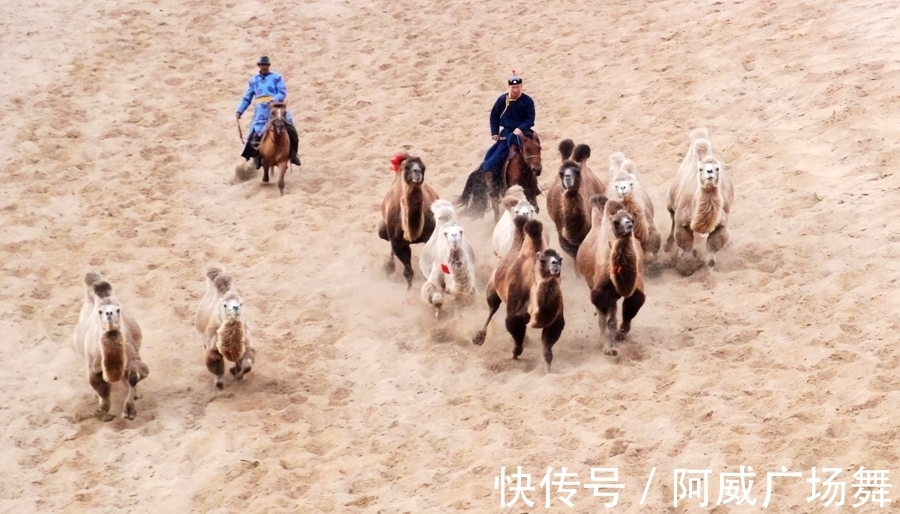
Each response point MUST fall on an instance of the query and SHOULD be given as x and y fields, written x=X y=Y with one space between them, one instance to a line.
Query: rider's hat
x=515 y=79
x=263 y=60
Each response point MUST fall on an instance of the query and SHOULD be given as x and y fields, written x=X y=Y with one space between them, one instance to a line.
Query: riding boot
x=295 y=142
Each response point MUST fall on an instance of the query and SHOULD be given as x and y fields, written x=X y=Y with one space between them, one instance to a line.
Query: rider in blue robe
x=512 y=114
x=265 y=87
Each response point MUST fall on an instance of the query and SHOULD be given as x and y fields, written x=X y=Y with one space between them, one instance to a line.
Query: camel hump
x=616 y=159
x=699 y=133
x=599 y=201
x=519 y=222
x=582 y=153
x=213 y=270
x=95 y=282
x=613 y=206
x=703 y=147
x=222 y=283
x=533 y=229
x=565 y=148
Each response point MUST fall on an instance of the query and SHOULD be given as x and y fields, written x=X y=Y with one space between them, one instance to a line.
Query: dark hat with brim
x=263 y=60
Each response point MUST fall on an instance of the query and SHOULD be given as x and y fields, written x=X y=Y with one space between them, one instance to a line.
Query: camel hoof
x=390 y=267
x=612 y=352
x=105 y=416
x=233 y=370
x=478 y=340
x=711 y=262
x=129 y=413
x=621 y=336
x=220 y=385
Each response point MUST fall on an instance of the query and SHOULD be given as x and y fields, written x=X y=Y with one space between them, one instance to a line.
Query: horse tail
x=474 y=197
x=565 y=148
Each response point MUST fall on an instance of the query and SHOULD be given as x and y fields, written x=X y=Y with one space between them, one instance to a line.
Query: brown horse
x=522 y=167
x=275 y=144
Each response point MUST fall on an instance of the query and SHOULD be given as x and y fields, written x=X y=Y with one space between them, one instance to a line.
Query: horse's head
x=531 y=151
x=277 y=117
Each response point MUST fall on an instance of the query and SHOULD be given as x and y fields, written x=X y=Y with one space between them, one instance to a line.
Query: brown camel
x=406 y=213
x=527 y=280
x=625 y=187
x=568 y=200
x=611 y=261
x=275 y=145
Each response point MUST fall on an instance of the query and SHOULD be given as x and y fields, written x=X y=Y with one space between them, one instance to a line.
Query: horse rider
x=267 y=87
x=512 y=116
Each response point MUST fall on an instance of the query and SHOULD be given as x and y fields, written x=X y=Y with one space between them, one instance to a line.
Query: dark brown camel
x=406 y=213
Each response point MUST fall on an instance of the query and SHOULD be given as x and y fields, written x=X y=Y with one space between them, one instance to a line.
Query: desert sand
x=120 y=148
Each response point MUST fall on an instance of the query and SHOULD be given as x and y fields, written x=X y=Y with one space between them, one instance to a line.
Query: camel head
x=278 y=115
x=523 y=208
x=453 y=233
x=624 y=184
x=232 y=306
x=550 y=263
x=620 y=219
x=708 y=172
x=413 y=171
x=109 y=316
x=570 y=176
x=531 y=151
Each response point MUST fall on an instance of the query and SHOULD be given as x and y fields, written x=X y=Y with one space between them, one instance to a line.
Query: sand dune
x=118 y=125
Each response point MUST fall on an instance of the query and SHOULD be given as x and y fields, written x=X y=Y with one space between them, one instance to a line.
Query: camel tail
x=582 y=153
x=474 y=198
x=565 y=148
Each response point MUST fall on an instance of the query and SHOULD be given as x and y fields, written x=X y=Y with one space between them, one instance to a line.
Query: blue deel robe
x=506 y=116
x=264 y=88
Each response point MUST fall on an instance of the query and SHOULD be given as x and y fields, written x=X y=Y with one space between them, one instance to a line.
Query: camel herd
x=605 y=226
x=108 y=337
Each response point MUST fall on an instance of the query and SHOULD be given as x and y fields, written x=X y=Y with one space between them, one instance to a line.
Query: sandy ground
x=120 y=142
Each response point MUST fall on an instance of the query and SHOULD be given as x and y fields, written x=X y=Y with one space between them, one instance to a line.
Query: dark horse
x=522 y=167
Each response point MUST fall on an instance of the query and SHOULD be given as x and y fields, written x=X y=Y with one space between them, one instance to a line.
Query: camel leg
x=671 y=239
x=102 y=389
x=215 y=363
x=516 y=326
x=630 y=308
x=715 y=242
x=495 y=205
x=245 y=365
x=282 y=170
x=434 y=295
x=604 y=299
x=688 y=264
x=401 y=249
x=493 y=301
x=549 y=337
x=129 y=412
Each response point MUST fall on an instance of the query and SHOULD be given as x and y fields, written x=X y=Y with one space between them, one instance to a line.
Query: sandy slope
x=120 y=142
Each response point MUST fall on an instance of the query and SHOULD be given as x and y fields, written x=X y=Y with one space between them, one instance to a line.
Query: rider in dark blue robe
x=512 y=115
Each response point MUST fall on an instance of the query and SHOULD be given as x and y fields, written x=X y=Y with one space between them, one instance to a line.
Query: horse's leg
x=265 y=174
x=283 y=170
x=102 y=389
x=215 y=363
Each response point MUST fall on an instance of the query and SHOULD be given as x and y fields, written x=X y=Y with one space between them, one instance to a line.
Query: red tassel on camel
x=395 y=162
